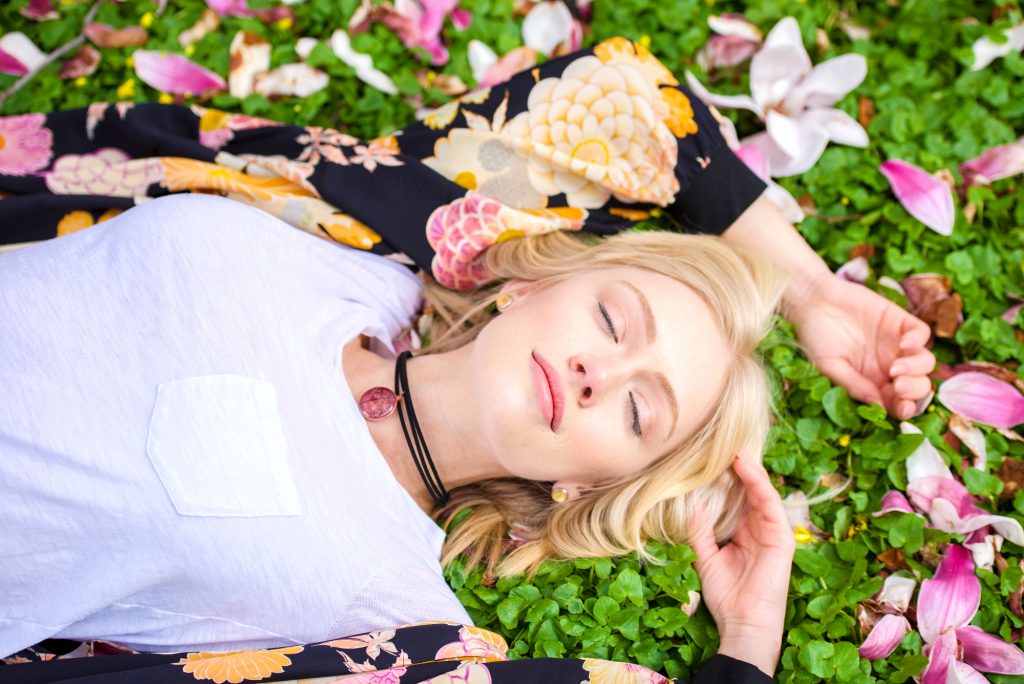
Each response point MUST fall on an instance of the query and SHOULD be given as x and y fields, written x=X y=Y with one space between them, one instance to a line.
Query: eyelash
x=632 y=402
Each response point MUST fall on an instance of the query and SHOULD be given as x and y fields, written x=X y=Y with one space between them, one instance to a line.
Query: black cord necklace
x=417 y=445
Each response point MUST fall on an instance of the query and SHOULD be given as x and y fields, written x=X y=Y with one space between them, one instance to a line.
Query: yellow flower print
x=680 y=119
x=479 y=644
x=442 y=117
x=74 y=222
x=238 y=666
x=630 y=214
x=189 y=174
x=478 y=96
x=349 y=231
x=109 y=214
x=212 y=119
x=389 y=142
x=624 y=51
x=608 y=672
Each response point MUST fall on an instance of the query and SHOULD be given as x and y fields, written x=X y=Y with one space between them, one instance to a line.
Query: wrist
x=759 y=646
x=803 y=290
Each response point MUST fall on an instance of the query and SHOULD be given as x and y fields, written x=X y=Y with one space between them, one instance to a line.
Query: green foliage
x=929 y=110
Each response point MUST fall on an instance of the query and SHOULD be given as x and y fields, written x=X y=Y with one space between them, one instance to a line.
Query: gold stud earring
x=503 y=301
x=559 y=494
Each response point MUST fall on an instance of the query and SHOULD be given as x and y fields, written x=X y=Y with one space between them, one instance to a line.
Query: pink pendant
x=377 y=403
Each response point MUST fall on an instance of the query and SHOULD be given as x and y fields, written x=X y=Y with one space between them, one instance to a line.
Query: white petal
x=805 y=135
x=785 y=132
x=787 y=33
x=727 y=101
x=897 y=592
x=774 y=71
x=840 y=126
x=361 y=63
x=735 y=25
x=925 y=461
x=548 y=25
x=984 y=552
x=986 y=51
x=19 y=46
x=304 y=46
x=481 y=57
x=828 y=82
x=785 y=202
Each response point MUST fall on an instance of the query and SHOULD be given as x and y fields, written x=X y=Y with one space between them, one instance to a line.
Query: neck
x=440 y=389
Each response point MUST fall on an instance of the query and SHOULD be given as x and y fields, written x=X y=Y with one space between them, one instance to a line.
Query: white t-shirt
x=182 y=464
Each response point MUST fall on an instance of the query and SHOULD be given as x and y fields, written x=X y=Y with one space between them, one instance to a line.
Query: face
x=596 y=377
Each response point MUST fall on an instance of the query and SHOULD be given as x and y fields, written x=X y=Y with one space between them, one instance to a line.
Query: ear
x=575 y=489
x=515 y=287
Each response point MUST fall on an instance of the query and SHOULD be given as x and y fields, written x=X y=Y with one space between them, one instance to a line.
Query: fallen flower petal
x=304 y=46
x=361 y=63
x=106 y=36
x=855 y=270
x=11 y=65
x=925 y=461
x=950 y=598
x=925 y=197
x=885 y=637
x=962 y=673
x=737 y=26
x=983 y=551
x=250 y=58
x=725 y=51
x=941 y=656
x=983 y=399
x=508 y=65
x=208 y=21
x=175 y=74
x=986 y=50
x=83 y=63
x=894 y=501
x=897 y=592
x=40 y=10
x=989 y=653
x=995 y=164
x=931 y=299
x=291 y=80
x=1010 y=315
x=230 y=8
x=549 y=25
x=481 y=57
x=971 y=435
x=798 y=512
x=692 y=604
x=17 y=46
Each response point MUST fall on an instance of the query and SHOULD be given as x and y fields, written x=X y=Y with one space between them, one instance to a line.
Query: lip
x=549 y=390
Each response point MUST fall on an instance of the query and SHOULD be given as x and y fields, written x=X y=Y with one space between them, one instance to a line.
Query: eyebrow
x=652 y=335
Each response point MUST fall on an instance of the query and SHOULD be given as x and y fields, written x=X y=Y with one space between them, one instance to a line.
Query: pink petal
x=897 y=592
x=291 y=80
x=775 y=70
x=40 y=10
x=941 y=655
x=434 y=13
x=20 y=47
x=754 y=158
x=925 y=197
x=983 y=399
x=230 y=8
x=855 y=270
x=962 y=673
x=972 y=436
x=894 y=501
x=994 y=164
x=885 y=637
x=461 y=18
x=174 y=74
x=1010 y=315
x=926 y=490
x=725 y=51
x=11 y=65
x=989 y=653
x=106 y=36
x=925 y=461
x=508 y=65
x=83 y=63
x=950 y=598
x=736 y=26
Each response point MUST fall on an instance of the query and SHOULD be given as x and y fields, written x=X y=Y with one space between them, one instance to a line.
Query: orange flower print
x=374 y=643
x=680 y=119
x=238 y=666
x=479 y=644
x=74 y=222
x=189 y=174
x=608 y=672
x=624 y=51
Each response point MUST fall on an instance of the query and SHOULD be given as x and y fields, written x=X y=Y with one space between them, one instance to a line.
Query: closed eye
x=608 y=322
x=636 y=417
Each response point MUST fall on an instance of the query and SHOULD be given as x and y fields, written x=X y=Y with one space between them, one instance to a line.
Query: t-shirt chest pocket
x=217 y=445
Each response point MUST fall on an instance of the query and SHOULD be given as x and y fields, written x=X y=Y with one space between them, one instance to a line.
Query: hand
x=867 y=344
x=745 y=582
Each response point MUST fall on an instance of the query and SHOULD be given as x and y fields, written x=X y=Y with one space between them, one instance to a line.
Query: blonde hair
x=514 y=525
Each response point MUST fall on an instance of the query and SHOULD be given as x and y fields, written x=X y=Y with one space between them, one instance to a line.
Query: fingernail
x=906 y=343
x=897 y=369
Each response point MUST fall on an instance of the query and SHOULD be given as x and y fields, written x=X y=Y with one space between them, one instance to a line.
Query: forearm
x=762 y=229
x=760 y=648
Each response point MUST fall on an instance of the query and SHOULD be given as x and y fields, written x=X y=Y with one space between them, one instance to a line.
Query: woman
x=865 y=369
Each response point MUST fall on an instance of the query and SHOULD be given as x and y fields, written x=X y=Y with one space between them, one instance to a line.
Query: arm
x=857 y=338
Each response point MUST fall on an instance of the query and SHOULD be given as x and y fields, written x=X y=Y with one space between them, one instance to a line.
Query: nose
x=590 y=378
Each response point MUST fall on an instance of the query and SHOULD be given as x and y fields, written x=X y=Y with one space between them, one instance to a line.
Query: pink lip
x=549 y=391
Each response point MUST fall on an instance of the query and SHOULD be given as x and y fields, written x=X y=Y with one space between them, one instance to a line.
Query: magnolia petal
x=508 y=65
x=855 y=270
x=481 y=58
x=208 y=21
x=828 y=82
x=106 y=36
x=83 y=63
x=962 y=673
x=925 y=491
x=692 y=603
x=950 y=598
x=798 y=512
x=40 y=10
x=727 y=101
x=434 y=13
x=886 y=281
x=754 y=158
x=298 y=80
x=461 y=19
x=1010 y=315
x=17 y=46
x=548 y=25
x=884 y=638
x=304 y=46
x=175 y=74
x=989 y=653
x=1005 y=526
x=971 y=435
x=897 y=592
x=786 y=133
x=230 y=8
x=774 y=71
x=250 y=57
x=735 y=25
x=925 y=197
x=810 y=139
x=725 y=51
x=841 y=127
x=941 y=655
x=983 y=399
x=11 y=65
x=361 y=63
x=786 y=33
x=986 y=50
x=894 y=501
x=925 y=460
x=995 y=164
x=784 y=202
x=984 y=552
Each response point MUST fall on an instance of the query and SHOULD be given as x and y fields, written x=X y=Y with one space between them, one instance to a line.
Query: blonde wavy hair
x=514 y=525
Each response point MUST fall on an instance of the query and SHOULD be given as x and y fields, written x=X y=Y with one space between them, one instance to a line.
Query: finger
x=857 y=386
x=920 y=362
x=912 y=387
x=760 y=491
x=915 y=333
x=702 y=536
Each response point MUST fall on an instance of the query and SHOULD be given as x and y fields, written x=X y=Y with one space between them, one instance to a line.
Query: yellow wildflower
x=803 y=535
x=147 y=20
x=284 y=23
x=844 y=441
x=129 y=62
x=190 y=50
x=126 y=90
x=81 y=81
x=645 y=40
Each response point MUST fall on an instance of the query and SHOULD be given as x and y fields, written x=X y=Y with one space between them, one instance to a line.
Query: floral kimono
x=594 y=141
x=429 y=653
